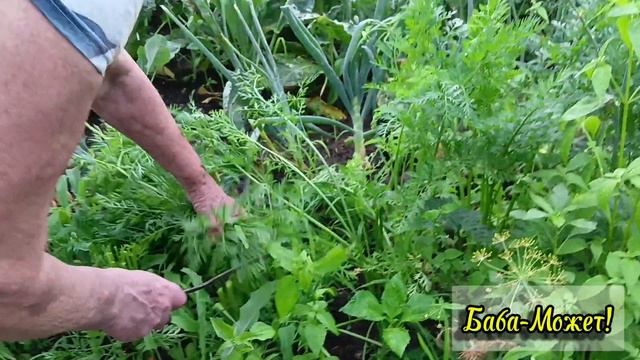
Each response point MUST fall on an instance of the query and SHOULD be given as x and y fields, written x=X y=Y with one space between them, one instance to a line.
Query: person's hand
x=143 y=302
x=208 y=199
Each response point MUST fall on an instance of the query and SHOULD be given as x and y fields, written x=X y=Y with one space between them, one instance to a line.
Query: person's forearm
x=132 y=105
x=56 y=299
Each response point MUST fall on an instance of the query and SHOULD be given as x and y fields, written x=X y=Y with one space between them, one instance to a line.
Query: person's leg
x=46 y=90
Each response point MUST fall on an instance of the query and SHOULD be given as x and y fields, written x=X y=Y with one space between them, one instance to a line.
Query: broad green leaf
x=613 y=266
x=571 y=246
x=394 y=296
x=634 y=36
x=596 y=249
x=633 y=169
x=532 y=214
x=451 y=254
x=592 y=287
x=585 y=200
x=193 y=276
x=331 y=261
x=542 y=203
x=222 y=329
x=604 y=189
x=305 y=278
x=156 y=53
x=326 y=319
x=287 y=295
x=600 y=80
x=331 y=30
x=261 y=331
x=364 y=305
x=417 y=308
x=314 y=336
x=623 y=24
x=285 y=257
x=592 y=125
x=396 y=339
x=624 y=10
x=294 y=71
x=630 y=271
x=286 y=337
x=635 y=293
x=634 y=243
x=635 y=181
x=557 y=220
x=183 y=319
x=579 y=162
x=574 y=179
x=559 y=197
x=62 y=191
x=250 y=311
x=583 y=108
x=582 y=226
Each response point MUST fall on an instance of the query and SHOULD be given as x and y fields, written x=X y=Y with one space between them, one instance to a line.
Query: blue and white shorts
x=99 y=29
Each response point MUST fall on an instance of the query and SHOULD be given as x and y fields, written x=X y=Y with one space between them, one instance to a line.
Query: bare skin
x=128 y=94
x=45 y=98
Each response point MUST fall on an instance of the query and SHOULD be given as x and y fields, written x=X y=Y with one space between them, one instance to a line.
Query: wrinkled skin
x=47 y=89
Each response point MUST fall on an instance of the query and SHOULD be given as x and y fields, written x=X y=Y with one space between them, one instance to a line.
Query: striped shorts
x=99 y=29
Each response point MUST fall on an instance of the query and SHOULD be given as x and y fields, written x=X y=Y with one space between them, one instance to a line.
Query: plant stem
x=360 y=337
x=625 y=112
x=364 y=347
x=348 y=322
x=612 y=224
x=396 y=162
x=358 y=134
x=316 y=120
x=346 y=8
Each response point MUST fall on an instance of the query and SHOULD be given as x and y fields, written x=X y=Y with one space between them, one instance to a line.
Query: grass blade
x=314 y=49
x=207 y=53
x=209 y=18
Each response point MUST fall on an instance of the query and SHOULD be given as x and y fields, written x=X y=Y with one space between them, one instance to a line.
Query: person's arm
x=52 y=297
x=129 y=102
x=36 y=304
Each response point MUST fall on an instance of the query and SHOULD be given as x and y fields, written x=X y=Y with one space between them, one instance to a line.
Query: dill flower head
x=524 y=263
x=499 y=238
x=506 y=255
x=481 y=256
x=522 y=243
x=527 y=264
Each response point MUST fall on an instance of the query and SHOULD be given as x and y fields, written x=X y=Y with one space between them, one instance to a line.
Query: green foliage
x=156 y=53
x=502 y=149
